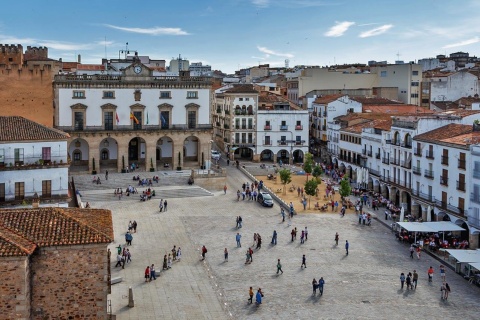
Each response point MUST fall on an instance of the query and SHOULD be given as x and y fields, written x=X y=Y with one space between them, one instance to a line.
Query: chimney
x=79 y=59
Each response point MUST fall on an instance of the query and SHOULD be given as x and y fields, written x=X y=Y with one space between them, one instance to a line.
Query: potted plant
x=179 y=156
x=203 y=162
x=123 y=165
x=152 y=169
x=93 y=166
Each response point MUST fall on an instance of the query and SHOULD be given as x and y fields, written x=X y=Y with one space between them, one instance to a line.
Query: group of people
x=162 y=206
x=249 y=191
x=123 y=256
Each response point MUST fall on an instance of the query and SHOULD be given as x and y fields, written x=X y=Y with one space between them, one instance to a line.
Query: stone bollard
x=130 y=297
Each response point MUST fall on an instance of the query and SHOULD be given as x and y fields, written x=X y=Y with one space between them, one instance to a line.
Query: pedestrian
x=321 y=282
x=204 y=251
x=274 y=237
x=236 y=220
x=225 y=254
x=402 y=279
x=174 y=253
x=238 y=237
x=336 y=238
x=152 y=273
x=259 y=241
x=128 y=238
x=160 y=206
x=279 y=267
x=314 y=285
x=306 y=234
x=447 y=291
x=130 y=225
x=179 y=254
x=147 y=274
x=250 y=294
x=254 y=239
x=386 y=214
x=259 y=296
x=165 y=205
x=106 y=175
x=165 y=266
x=169 y=262
x=359 y=215
x=289 y=220
x=119 y=260
x=119 y=249
x=304 y=262
x=430 y=274
x=442 y=272
x=248 y=256
x=225 y=189
x=418 y=252
x=240 y=220
x=443 y=290
x=412 y=249
x=282 y=212
x=304 y=202
x=238 y=195
x=293 y=234
x=336 y=206
x=250 y=251
x=409 y=281
x=415 y=279
x=346 y=246
x=302 y=237
x=128 y=256
x=134 y=225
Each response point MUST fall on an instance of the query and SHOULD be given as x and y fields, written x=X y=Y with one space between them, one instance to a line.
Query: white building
x=473 y=213
x=197 y=69
x=33 y=159
x=453 y=86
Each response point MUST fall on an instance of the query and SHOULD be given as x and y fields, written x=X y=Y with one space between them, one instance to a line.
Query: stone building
x=54 y=263
x=135 y=118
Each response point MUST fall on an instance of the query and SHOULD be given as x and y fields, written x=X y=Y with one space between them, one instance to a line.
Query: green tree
x=310 y=189
x=308 y=164
x=285 y=178
x=345 y=188
x=317 y=171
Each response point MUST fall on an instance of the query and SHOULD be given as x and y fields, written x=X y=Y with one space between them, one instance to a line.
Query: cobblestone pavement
x=363 y=285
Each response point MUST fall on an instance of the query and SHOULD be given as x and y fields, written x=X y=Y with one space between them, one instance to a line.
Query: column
x=151 y=157
x=122 y=151
x=93 y=153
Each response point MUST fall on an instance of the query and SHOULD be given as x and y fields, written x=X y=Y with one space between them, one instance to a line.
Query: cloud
x=261 y=3
x=376 y=31
x=15 y=40
x=339 y=29
x=154 y=31
x=260 y=58
x=269 y=52
x=59 y=45
x=462 y=43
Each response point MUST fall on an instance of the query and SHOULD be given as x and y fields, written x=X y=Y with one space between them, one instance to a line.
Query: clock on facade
x=137 y=69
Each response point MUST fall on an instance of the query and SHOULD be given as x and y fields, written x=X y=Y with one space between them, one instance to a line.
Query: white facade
x=474 y=181
x=33 y=167
x=453 y=87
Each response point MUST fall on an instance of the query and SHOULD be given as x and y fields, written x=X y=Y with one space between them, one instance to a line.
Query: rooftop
x=328 y=98
x=17 y=128
x=375 y=101
x=459 y=134
x=241 y=88
x=395 y=109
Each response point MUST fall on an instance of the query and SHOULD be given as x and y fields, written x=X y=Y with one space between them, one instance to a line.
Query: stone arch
x=244 y=109
x=376 y=186
x=250 y=110
x=350 y=172
x=243 y=153
x=78 y=151
x=238 y=110
x=396 y=138
x=407 y=139
x=405 y=198
x=342 y=168
x=137 y=149
x=266 y=155
x=165 y=151
x=298 y=156
x=283 y=155
x=108 y=147
x=190 y=152
x=370 y=183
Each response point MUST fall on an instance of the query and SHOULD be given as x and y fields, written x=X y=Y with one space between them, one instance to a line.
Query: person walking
x=250 y=252
x=165 y=205
x=179 y=254
x=160 y=206
x=293 y=234
x=128 y=256
x=238 y=237
x=279 y=267
x=347 y=245
x=447 y=291
x=128 y=238
x=302 y=237
x=134 y=225
x=402 y=279
x=250 y=294
x=430 y=274
x=336 y=238
x=418 y=252
x=443 y=290
x=321 y=283
x=169 y=261
x=282 y=212
x=165 y=266
x=408 y=280
x=225 y=255
x=119 y=261
x=442 y=272
x=314 y=285
x=274 y=237
x=306 y=234
x=152 y=272
x=304 y=262
x=259 y=296
x=415 y=279
x=225 y=189
x=204 y=251
x=412 y=249
x=147 y=274
x=106 y=174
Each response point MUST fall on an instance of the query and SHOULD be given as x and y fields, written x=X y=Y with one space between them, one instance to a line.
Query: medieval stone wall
x=14 y=288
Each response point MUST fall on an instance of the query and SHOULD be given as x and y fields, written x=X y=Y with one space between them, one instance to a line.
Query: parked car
x=215 y=155
x=265 y=199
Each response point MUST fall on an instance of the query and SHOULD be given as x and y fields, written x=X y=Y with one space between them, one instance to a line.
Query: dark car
x=265 y=199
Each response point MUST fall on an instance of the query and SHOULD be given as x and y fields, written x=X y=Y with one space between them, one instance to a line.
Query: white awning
x=415 y=226
x=458 y=221
x=465 y=256
x=438 y=226
x=474 y=230
x=475 y=265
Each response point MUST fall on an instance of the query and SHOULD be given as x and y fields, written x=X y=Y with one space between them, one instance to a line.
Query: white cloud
x=260 y=58
x=14 y=40
x=339 y=29
x=269 y=52
x=261 y=3
x=59 y=45
x=154 y=31
x=462 y=43
x=376 y=31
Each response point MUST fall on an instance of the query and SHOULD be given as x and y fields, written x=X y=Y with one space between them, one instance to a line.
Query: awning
x=415 y=226
x=474 y=230
x=465 y=256
x=475 y=265
x=438 y=226
x=458 y=221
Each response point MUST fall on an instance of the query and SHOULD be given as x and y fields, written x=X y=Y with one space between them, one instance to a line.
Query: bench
x=116 y=280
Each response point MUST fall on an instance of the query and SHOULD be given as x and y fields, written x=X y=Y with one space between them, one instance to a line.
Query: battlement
x=11 y=48
x=35 y=53
x=11 y=53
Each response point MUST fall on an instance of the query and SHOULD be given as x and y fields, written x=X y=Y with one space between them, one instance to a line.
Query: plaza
x=363 y=285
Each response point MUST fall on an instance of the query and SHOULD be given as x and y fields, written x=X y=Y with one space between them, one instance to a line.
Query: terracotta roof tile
x=53 y=227
x=375 y=101
x=17 y=128
x=328 y=98
x=396 y=109
x=449 y=133
x=99 y=67
x=12 y=244
x=242 y=88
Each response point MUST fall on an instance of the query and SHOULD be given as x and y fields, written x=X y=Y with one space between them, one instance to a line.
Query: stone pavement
x=363 y=285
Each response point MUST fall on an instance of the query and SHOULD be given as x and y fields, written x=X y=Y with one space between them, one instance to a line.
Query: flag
x=132 y=117
x=147 y=117
x=117 y=118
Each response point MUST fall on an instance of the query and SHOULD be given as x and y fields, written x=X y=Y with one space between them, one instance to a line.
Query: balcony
x=418 y=152
x=428 y=174
x=406 y=164
x=299 y=142
x=401 y=183
x=377 y=155
x=444 y=160
x=461 y=185
x=267 y=142
x=374 y=172
x=298 y=127
x=369 y=153
x=33 y=162
x=443 y=181
x=395 y=161
x=396 y=142
x=267 y=127
x=385 y=160
x=424 y=196
x=282 y=142
x=283 y=127
x=429 y=154
x=407 y=145
x=417 y=171
x=386 y=179
x=449 y=207
x=462 y=165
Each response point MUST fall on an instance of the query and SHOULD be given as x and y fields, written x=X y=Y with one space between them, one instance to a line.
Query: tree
x=345 y=188
x=310 y=189
x=317 y=171
x=285 y=178
x=308 y=164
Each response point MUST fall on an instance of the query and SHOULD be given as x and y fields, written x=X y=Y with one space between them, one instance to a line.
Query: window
x=244 y=123
x=414 y=95
x=298 y=140
x=414 y=73
x=192 y=95
x=108 y=94
x=192 y=119
x=2 y=192
x=244 y=137
x=240 y=99
x=19 y=190
x=415 y=83
x=108 y=120
x=250 y=123
x=78 y=121
x=78 y=94
x=46 y=188
x=165 y=119
x=137 y=124
x=267 y=140
x=247 y=99
x=2 y=156
x=46 y=154
x=18 y=152
x=250 y=138
x=237 y=123
x=77 y=155
x=383 y=74
x=165 y=95
x=104 y=154
x=237 y=138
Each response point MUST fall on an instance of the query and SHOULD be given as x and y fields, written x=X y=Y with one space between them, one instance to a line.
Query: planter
x=202 y=167
x=152 y=169
x=179 y=168
x=94 y=171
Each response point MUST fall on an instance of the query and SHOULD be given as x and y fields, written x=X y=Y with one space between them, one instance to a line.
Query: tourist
x=402 y=279
x=415 y=278
x=225 y=254
x=442 y=272
x=430 y=274
x=304 y=262
x=259 y=241
x=174 y=253
x=134 y=226
x=412 y=249
x=274 y=237
x=204 y=251
x=169 y=261
x=302 y=237
x=119 y=261
x=443 y=291
x=321 y=282
x=336 y=238
x=128 y=238
x=147 y=274
x=346 y=246
x=293 y=234
x=238 y=237
x=409 y=281
x=179 y=254
x=306 y=234
x=259 y=296
x=128 y=256
x=225 y=189
x=282 y=212
x=165 y=266
x=152 y=273
x=279 y=267
x=250 y=294
x=314 y=285
x=165 y=205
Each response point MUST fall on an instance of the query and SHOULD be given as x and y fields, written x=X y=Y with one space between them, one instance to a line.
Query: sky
x=233 y=34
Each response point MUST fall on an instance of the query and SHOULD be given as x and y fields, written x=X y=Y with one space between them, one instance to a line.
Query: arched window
x=77 y=155
x=104 y=154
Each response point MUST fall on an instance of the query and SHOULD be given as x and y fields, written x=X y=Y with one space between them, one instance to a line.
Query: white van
x=215 y=155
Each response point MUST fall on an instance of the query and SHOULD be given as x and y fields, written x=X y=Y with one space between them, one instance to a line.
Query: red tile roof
x=396 y=109
x=328 y=98
x=99 y=67
x=460 y=134
x=242 y=88
x=22 y=230
x=375 y=101
x=17 y=128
